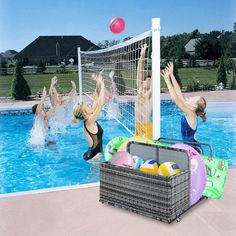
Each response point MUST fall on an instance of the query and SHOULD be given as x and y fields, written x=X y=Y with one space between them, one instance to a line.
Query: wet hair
x=34 y=108
x=148 y=77
x=77 y=112
x=200 y=110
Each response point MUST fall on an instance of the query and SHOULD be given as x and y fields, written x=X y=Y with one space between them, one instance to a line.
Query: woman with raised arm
x=59 y=120
x=39 y=132
x=192 y=108
x=143 y=104
x=92 y=130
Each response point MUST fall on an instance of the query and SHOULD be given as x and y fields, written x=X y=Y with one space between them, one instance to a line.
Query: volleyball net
x=125 y=67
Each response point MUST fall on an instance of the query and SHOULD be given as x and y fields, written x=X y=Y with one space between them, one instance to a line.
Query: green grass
x=38 y=81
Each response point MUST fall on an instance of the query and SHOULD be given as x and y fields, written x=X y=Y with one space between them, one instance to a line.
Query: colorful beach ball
x=169 y=169
x=123 y=159
x=149 y=166
x=117 y=25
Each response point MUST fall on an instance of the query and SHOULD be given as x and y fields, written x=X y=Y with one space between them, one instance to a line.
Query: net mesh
x=121 y=67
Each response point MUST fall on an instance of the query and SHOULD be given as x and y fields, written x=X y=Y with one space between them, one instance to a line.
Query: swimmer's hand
x=73 y=84
x=170 y=68
x=44 y=93
x=165 y=74
x=54 y=80
x=111 y=74
x=143 y=49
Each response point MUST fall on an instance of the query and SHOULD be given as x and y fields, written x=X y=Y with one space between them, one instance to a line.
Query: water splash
x=38 y=133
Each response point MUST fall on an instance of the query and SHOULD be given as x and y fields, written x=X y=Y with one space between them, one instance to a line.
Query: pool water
x=24 y=168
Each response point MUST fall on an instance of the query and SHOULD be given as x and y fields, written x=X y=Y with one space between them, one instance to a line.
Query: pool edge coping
x=48 y=190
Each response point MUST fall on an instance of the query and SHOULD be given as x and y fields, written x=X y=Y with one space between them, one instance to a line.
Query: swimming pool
x=23 y=168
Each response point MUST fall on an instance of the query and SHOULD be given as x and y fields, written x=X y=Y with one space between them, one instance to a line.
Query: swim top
x=97 y=142
x=188 y=134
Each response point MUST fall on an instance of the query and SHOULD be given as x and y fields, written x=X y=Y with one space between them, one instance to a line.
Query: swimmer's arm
x=53 y=91
x=99 y=103
x=176 y=86
x=179 y=102
x=41 y=103
x=140 y=68
x=72 y=93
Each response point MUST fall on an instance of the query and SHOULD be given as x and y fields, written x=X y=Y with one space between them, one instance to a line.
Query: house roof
x=46 y=46
x=190 y=46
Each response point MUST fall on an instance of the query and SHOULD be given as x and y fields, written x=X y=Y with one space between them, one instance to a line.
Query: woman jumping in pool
x=192 y=108
x=92 y=130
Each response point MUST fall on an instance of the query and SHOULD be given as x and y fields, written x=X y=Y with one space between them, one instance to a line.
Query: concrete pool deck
x=77 y=212
x=210 y=96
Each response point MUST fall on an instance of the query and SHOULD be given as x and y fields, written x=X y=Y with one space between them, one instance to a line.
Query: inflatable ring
x=139 y=139
x=113 y=146
x=198 y=172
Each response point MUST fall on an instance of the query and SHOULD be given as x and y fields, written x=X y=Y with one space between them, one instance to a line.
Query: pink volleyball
x=117 y=25
x=198 y=172
x=123 y=159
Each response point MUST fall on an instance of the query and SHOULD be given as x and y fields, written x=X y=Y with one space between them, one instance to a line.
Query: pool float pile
x=208 y=175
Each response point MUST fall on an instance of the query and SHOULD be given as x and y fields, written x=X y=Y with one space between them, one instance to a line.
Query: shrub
x=20 y=87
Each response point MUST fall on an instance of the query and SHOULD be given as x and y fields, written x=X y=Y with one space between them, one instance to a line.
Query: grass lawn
x=38 y=81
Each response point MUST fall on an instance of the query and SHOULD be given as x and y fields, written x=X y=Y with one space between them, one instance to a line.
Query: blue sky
x=21 y=21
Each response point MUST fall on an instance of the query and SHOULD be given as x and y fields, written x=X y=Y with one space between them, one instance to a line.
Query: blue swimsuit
x=188 y=135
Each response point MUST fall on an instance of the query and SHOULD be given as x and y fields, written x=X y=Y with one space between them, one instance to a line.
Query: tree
x=41 y=67
x=3 y=68
x=221 y=74
x=20 y=87
x=208 y=49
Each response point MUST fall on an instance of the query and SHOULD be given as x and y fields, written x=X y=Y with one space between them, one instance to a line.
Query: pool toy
x=123 y=146
x=117 y=25
x=198 y=172
x=138 y=161
x=149 y=166
x=217 y=170
x=113 y=146
x=123 y=159
x=168 y=169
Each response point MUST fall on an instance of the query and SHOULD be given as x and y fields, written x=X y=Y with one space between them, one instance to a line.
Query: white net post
x=80 y=76
x=156 y=88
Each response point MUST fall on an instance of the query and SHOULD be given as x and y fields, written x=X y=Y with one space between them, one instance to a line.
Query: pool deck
x=211 y=96
x=77 y=212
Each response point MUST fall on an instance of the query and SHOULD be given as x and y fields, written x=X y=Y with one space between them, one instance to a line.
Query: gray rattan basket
x=159 y=197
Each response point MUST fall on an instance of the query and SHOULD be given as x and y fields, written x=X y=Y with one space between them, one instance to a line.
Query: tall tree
x=20 y=87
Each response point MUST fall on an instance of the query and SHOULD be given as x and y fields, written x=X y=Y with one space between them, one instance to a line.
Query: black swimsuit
x=97 y=143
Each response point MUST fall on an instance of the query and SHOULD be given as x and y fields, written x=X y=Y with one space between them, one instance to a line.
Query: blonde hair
x=77 y=112
x=200 y=110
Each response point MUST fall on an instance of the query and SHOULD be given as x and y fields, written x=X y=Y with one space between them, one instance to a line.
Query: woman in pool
x=92 y=130
x=63 y=106
x=39 y=132
x=192 y=108
x=143 y=104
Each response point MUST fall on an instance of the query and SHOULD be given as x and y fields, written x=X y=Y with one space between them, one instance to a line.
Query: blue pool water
x=23 y=168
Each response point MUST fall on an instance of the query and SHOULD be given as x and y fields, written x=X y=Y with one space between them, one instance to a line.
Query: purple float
x=198 y=172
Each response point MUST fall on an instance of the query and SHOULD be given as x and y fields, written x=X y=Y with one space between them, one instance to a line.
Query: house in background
x=190 y=46
x=7 y=56
x=53 y=50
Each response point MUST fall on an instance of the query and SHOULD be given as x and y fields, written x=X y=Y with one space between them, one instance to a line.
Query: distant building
x=190 y=46
x=54 y=50
x=7 y=56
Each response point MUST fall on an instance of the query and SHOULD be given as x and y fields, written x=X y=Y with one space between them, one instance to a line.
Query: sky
x=22 y=21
